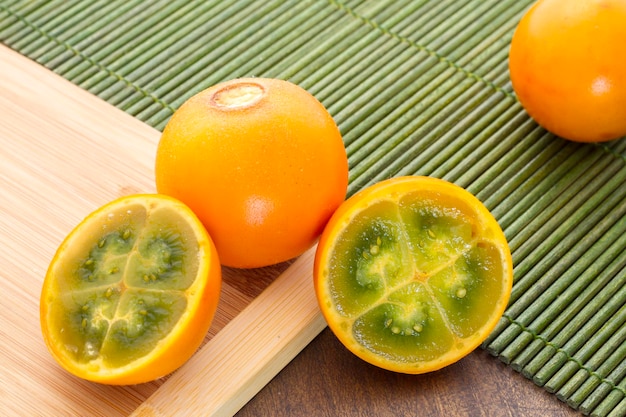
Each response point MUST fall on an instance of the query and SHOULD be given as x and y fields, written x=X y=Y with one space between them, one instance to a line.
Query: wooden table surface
x=326 y=380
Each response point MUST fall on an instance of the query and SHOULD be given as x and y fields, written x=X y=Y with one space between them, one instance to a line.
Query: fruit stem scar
x=238 y=95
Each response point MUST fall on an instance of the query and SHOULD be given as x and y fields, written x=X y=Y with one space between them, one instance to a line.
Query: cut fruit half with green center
x=412 y=274
x=131 y=292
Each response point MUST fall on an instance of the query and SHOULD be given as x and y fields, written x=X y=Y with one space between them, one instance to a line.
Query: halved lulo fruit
x=412 y=273
x=131 y=292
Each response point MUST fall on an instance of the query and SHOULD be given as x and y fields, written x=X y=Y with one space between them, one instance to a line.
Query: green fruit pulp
x=121 y=288
x=413 y=279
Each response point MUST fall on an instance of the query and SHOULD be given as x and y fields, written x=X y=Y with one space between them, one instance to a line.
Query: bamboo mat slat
x=416 y=87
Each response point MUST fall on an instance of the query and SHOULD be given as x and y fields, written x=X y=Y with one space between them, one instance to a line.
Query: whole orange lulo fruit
x=567 y=63
x=261 y=162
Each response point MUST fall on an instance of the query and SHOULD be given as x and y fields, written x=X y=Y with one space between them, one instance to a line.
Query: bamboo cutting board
x=63 y=153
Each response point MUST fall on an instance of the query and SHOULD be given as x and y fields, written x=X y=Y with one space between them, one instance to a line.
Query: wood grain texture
x=326 y=380
x=64 y=153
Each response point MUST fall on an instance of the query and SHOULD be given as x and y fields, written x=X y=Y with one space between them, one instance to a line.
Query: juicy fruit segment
x=124 y=285
x=123 y=292
x=413 y=281
x=404 y=328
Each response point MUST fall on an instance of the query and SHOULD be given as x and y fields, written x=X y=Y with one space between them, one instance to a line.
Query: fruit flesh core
x=125 y=290
x=414 y=279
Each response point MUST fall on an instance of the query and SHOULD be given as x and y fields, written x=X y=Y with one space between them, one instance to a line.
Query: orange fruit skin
x=568 y=68
x=168 y=356
x=263 y=178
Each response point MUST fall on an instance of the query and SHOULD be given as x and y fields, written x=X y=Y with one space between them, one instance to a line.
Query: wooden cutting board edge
x=247 y=353
x=251 y=348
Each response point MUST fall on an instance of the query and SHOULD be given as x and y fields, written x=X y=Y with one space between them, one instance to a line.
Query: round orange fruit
x=568 y=69
x=261 y=162
x=412 y=274
x=131 y=291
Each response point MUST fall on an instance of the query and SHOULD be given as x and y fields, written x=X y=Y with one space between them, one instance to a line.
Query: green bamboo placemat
x=416 y=87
